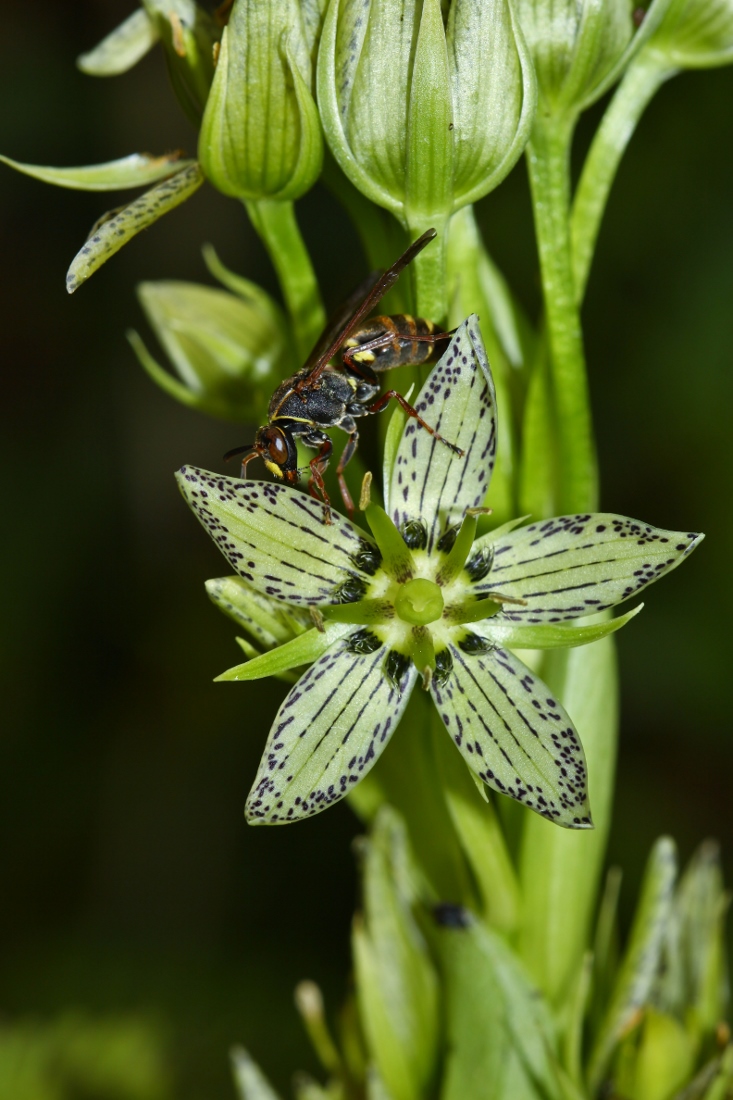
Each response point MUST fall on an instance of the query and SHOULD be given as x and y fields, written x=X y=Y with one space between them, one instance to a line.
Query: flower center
x=419 y=602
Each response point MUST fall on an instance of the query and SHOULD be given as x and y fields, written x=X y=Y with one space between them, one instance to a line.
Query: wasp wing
x=346 y=322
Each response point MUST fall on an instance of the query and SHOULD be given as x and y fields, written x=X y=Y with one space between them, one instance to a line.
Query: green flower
x=421 y=597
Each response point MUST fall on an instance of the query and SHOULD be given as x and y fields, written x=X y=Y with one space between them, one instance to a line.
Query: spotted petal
x=429 y=481
x=513 y=734
x=576 y=565
x=328 y=734
x=275 y=538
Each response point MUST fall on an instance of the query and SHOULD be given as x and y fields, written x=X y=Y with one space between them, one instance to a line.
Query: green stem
x=641 y=81
x=548 y=156
x=429 y=268
x=276 y=224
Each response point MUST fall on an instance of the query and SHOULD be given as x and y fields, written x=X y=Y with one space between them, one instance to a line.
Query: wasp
x=325 y=395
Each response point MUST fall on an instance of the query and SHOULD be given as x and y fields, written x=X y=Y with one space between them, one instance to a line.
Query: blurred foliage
x=131 y=883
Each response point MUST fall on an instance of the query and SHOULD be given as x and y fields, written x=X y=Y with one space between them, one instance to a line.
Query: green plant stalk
x=641 y=81
x=548 y=155
x=429 y=268
x=276 y=224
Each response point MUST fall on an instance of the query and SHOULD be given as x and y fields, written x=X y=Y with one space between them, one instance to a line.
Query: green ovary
x=419 y=602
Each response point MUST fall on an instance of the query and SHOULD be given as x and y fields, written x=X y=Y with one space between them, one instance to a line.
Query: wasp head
x=276 y=447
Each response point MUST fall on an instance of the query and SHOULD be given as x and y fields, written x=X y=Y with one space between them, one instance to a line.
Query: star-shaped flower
x=422 y=597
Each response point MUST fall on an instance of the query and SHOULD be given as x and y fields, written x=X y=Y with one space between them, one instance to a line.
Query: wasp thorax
x=419 y=602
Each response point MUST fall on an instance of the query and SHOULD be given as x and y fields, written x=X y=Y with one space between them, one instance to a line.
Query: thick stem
x=429 y=268
x=641 y=81
x=548 y=157
x=276 y=224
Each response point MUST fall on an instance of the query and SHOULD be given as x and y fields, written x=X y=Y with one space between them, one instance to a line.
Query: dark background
x=129 y=879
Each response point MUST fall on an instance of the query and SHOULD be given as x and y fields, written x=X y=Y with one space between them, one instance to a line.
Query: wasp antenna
x=238 y=451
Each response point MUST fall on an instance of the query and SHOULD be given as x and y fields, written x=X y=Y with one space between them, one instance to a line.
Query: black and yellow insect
x=324 y=395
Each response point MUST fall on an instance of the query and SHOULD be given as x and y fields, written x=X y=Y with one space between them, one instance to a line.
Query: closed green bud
x=695 y=34
x=228 y=351
x=260 y=136
x=424 y=115
x=580 y=47
x=188 y=34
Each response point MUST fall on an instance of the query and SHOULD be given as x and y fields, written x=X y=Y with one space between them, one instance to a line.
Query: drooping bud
x=454 y=120
x=695 y=34
x=228 y=351
x=260 y=136
x=188 y=34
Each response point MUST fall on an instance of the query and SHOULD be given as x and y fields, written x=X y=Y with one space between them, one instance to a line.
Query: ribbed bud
x=260 y=136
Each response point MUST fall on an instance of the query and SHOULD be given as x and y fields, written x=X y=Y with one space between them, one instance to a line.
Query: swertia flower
x=422 y=598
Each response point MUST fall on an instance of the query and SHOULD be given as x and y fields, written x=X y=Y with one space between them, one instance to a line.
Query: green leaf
x=275 y=538
x=512 y=733
x=547 y=636
x=498 y=1027
x=302 y=650
x=137 y=170
x=576 y=565
x=121 y=226
x=229 y=351
x=329 y=732
x=122 y=48
x=248 y=1077
x=641 y=959
x=397 y=986
x=695 y=34
x=665 y=1058
x=430 y=483
x=429 y=167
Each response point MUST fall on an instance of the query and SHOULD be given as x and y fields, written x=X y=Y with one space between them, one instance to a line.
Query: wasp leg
x=316 y=485
x=382 y=402
x=346 y=456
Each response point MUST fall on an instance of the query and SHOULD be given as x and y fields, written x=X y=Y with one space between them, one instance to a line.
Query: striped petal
x=512 y=733
x=576 y=565
x=275 y=538
x=429 y=481
x=329 y=732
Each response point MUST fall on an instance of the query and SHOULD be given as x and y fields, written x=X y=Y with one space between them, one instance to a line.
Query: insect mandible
x=324 y=395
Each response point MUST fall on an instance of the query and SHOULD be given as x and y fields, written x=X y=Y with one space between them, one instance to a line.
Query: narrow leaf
x=136 y=170
x=121 y=48
x=112 y=234
x=268 y=622
x=641 y=960
x=547 y=635
x=249 y=1079
x=302 y=650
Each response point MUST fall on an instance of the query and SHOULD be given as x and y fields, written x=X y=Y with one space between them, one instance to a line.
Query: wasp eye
x=277 y=448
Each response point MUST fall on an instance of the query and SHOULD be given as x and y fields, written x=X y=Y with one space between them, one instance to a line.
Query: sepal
x=135 y=170
x=122 y=48
x=117 y=227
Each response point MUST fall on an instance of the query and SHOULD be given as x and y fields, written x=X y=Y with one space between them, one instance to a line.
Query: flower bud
x=695 y=34
x=422 y=116
x=229 y=352
x=188 y=34
x=260 y=136
x=580 y=47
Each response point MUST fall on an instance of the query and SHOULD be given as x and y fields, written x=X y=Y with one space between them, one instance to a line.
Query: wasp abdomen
x=401 y=347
